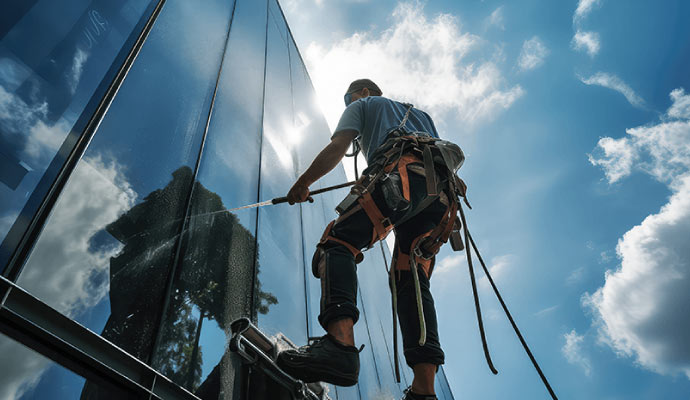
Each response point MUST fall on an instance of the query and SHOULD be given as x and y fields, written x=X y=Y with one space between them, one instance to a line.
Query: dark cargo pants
x=338 y=272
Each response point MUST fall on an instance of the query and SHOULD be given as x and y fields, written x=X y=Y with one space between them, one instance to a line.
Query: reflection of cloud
x=417 y=59
x=588 y=41
x=64 y=270
x=573 y=352
x=25 y=371
x=615 y=83
x=532 y=54
x=639 y=311
x=43 y=140
x=80 y=57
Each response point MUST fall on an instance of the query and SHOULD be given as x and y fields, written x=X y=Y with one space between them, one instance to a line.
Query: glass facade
x=136 y=254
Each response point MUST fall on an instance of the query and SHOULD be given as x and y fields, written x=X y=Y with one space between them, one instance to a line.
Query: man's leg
x=424 y=360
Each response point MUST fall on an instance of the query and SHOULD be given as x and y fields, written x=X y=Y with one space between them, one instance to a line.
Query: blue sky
x=575 y=119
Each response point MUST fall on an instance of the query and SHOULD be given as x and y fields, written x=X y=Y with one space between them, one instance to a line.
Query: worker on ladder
x=410 y=186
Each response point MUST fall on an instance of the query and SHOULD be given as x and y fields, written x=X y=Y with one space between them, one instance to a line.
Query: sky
x=575 y=120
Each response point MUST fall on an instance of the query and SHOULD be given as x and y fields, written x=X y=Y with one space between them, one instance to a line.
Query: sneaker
x=414 y=396
x=325 y=360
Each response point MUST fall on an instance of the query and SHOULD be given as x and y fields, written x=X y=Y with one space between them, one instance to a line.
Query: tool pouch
x=390 y=188
x=455 y=238
x=350 y=199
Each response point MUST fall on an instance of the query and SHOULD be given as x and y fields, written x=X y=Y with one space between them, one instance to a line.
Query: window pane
x=105 y=252
x=25 y=374
x=280 y=302
x=217 y=271
x=53 y=58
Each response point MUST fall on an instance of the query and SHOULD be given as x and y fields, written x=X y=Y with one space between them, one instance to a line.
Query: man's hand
x=325 y=161
x=298 y=193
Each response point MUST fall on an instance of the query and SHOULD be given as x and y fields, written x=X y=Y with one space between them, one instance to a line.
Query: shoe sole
x=324 y=374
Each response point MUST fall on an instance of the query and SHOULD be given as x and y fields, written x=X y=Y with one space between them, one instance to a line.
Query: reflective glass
x=54 y=57
x=105 y=252
x=214 y=286
x=25 y=374
x=281 y=258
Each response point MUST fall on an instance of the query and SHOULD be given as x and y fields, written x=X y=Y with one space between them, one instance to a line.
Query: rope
x=505 y=308
x=474 y=292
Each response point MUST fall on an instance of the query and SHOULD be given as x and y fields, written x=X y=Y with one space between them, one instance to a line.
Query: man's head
x=360 y=89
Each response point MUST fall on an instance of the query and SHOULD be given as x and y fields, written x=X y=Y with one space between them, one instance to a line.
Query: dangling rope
x=468 y=238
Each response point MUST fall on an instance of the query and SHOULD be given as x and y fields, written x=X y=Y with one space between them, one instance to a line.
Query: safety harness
x=435 y=159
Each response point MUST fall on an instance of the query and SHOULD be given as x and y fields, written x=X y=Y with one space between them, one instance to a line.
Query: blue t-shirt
x=374 y=116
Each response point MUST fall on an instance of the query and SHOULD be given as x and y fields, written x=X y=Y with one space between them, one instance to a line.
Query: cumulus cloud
x=613 y=82
x=532 y=54
x=587 y=41
x=584 y=7
x=573 y=352
x=419 y=59
x=77 y=278
x=640 y=310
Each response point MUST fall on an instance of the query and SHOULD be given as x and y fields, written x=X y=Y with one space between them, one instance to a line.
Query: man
x=404 y=204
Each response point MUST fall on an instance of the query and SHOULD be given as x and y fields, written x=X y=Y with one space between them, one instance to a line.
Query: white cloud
x=575 y=277
x=498 y=268
x=573 y=352
x=588 y=41
x=681 y=104
x=639 y=311
x=418 y=59
x=496 y=19
x=545 y=311
x=449 y=263
x=615 y=83
x=532 y=55
x=584 y=7
x=95 y=195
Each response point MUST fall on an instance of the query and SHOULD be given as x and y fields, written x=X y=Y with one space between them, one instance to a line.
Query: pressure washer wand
x=279 y=200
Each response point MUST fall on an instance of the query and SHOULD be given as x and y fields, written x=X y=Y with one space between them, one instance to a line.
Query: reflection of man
x=397 y=191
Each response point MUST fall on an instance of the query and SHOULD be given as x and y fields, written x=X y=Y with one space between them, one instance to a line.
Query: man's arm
x=324 y=162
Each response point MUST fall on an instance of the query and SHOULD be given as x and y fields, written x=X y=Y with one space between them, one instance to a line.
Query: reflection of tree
x=213 y=281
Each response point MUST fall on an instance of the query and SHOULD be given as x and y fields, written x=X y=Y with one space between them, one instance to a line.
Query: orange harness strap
x=402 y=260
x=328 y=238
x=402 y=169
x=382 y=225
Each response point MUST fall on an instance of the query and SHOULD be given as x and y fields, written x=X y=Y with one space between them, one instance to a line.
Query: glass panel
x=214 y=286
x=281 y=303
x=105 y=252
x=54 y=57
x=25 y=374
